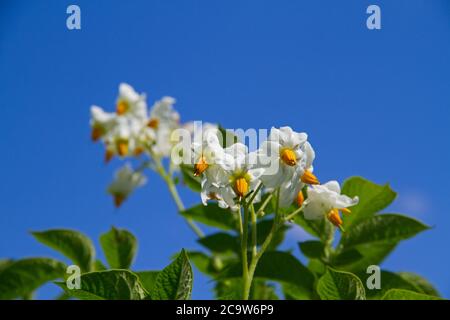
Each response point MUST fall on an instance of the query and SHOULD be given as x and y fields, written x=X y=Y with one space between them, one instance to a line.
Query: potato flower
x=281 y=155
x=326 y=200
x=125 y=182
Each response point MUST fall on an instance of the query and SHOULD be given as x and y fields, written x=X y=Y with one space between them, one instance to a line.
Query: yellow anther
x=345 y=211
x=122 y=147
x=200 y=166
x=109 y=154
x=241 y=186
x=118 y=200
x=153 y=123
x=288 y=157
x=138 y=151
x=122 y=107
x=309 y=178
x=96 y=133
x=334 y=217
x=300 y=198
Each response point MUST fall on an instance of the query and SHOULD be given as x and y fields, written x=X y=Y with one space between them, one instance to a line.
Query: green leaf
x=174 y=282
x=278 y=266
x=372 y=198
x=107 y=285
x=373 y=239
x=220 y=242
x=357 y=260
x=119 y=246
x=147 y=279
x=191 y=181
x=72 y=244
x=321 y=228
x=385 y=228
x=99 y=266
x=212 y=215
x=261 y=290
x=389 y=280
x=228 y=289
x=20 y=278
x=420 y=284
x=340 y=285
x=202 y=262
x=400 y=294
x=312 y=249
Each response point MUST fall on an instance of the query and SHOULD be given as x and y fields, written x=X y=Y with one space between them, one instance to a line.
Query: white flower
x=130 y=103
x=237 y=179
x=208 y=155
x=162 y=114
x=125 y=182
x=163 y=121
x=326 y=200
x=124 y=138
x=281 y=155
x=292 y=189
x=101 y=122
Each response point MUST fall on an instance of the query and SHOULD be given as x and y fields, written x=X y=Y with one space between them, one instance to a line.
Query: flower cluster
x=229 y=175
x=284 y=163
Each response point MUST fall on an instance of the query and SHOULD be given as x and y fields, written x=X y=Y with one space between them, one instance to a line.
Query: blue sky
x=374 y=103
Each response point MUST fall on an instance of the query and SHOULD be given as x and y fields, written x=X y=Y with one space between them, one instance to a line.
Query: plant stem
x=243 y=229
x=176 y=197
x=264 y=205
x=267 y=241
x=293 y=214
x=254 y=230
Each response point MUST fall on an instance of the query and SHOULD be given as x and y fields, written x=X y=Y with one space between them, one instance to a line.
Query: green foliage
x=212 y=215
x=400 y=294
x=191 y=181
x=340 y=285
x=220 y=242
x=147 y=279
x=107 y=285
x=312 y=249
x=372 y=198
x=175 y=281
x=420 y=284
x=72 y=244
x=19 y=279
x=120 y=247
x=332 y=272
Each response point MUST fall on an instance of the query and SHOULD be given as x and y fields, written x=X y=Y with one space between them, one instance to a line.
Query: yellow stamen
x=138 y=151
x=122 y=147
x=122 y=107
x=109 y=154
x=118 y=200
x=334 y=217
x=200 y=166
x=96 y=133
x=153 y=123
x=309 y=178
x=241 y=186
x=345 y=211
x=300 y=198
x=288 y=157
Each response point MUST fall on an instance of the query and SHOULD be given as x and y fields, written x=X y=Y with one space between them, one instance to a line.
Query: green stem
x=176 y=197
x=264 y=205
x=243 y=229
x=276 y=224
x=254 y=230
x=293 y=214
